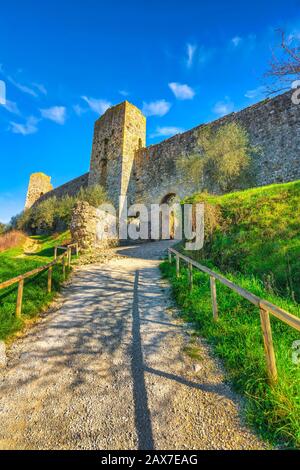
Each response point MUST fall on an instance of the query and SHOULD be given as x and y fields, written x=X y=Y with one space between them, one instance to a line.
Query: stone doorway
x=170 y=199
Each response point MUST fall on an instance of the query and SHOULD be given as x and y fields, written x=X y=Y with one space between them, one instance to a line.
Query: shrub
x=94 y=195
x=224 y=159
x=3 y=228
x=55 y=214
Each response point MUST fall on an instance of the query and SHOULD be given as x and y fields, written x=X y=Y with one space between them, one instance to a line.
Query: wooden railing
x=64 y=258
x=265 y=307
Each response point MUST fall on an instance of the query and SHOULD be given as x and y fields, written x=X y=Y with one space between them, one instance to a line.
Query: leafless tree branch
x=284 y=65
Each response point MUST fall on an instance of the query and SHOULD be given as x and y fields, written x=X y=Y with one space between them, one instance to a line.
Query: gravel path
x=108 y=370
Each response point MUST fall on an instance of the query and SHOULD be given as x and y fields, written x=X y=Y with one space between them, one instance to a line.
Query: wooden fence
x=265 y=308
x=65 y=258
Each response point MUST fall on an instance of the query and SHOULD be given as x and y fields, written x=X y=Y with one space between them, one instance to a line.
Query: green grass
x=237 y=339
x=258 y=234
x=35 y=298
x=256 y=244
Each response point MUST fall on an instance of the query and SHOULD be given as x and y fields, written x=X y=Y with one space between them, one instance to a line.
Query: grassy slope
x=259 y=234
x=257 y=245
x=12 y=263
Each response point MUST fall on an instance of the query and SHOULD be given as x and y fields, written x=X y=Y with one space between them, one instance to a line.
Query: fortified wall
x=122 y=163
x=273 y=125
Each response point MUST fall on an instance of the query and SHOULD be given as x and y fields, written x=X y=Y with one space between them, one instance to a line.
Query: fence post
x=268 y=344
x=19 y=298
x=49 y=279
x=170 y=256
x=177 y=265
x=69 y=256
x=191 y=276
x=77 y=250
x=55 y=252
x=213 y=291
x=64 y=267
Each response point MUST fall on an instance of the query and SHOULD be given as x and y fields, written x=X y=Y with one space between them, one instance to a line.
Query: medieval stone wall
x=39 y=184
x=117 y=136
x=273 y=125
x=68 y=189
x=124 y=166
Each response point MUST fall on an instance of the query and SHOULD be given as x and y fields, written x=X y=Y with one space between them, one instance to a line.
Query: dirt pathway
x=108 y=371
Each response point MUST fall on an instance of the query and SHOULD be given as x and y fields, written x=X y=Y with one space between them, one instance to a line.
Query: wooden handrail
x=20 y=279
x=264 y=306
x=16 y=279
x=278 y=312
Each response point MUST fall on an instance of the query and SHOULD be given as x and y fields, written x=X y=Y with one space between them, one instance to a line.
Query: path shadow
x=142 y=412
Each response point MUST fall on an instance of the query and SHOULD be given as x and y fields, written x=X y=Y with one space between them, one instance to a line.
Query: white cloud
x=182 y=92
x=57 y=114
x=191 y=50
x=2 y=92
x=223 y=107
x=41 y=88
x=156 y=108
x=23 y=88
x=99 y=106
x=236 y=41
x=247 y=43
x=257 y=93
x=167 y=131
x=11 y=107
x=30 y=127
x=79 y=110
x=124 y=93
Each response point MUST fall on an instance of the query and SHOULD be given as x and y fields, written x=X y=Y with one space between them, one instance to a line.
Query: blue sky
x=64 y=62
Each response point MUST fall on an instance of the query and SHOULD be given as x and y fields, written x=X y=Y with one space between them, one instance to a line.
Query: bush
x=3 y=228
x=257 y=232
x=224 y=161
x=53 y=214
x=94 y=195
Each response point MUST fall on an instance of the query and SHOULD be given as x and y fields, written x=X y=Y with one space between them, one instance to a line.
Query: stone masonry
x=122 y=163
x=118 y=135
x=83 y=225
x=39 y=184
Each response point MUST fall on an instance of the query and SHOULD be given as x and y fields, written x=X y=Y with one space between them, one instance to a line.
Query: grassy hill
x=258 y=233
x=25 y=256
x=252 y=237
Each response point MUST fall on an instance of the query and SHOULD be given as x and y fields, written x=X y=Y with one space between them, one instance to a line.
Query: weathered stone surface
x=71 y=188
x=39 y=184
x=273 y=125
x=83 y=225
x=118 y=134
x=122 y=164
x=3 y=358
x=87 y=228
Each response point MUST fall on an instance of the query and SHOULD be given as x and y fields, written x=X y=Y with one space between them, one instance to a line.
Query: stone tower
x=118 y=134
x=39 y=184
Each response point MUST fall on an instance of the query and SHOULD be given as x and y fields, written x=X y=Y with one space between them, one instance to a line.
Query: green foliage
x=94 y=195
x=35 y=298
x=224 y=159
x=3 y=228
x=54 y=214
x=257 y=234
x=237 y=339
x=253 y=240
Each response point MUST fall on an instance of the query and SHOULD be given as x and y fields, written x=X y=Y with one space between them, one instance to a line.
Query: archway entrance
x=170 y=199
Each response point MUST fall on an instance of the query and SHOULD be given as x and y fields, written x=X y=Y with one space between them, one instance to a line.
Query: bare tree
x=284 y=65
